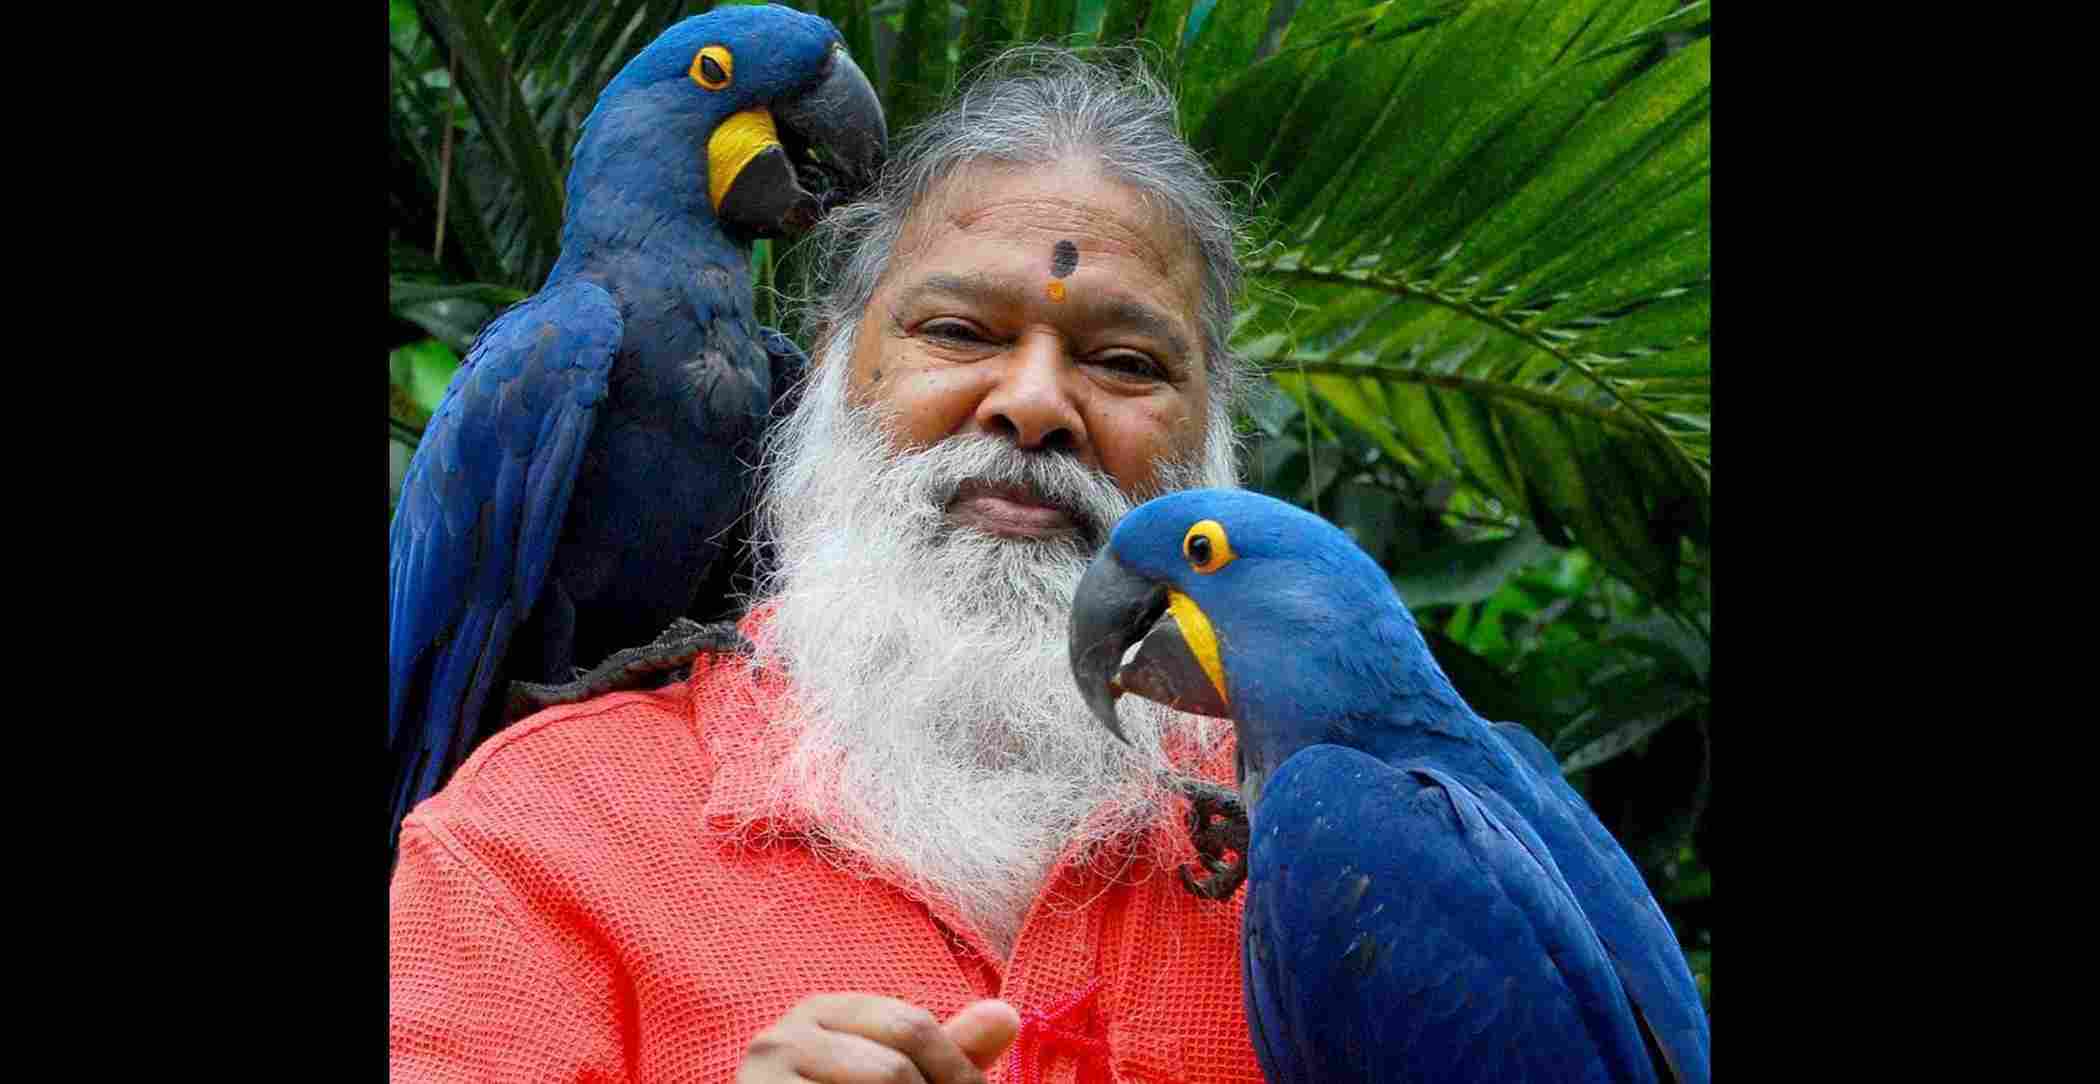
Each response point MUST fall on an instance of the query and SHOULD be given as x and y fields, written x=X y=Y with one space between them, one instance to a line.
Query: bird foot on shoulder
x=1217 y=824
x=662 y=661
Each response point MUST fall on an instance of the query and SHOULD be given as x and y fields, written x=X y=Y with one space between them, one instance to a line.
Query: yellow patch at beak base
x=736 y=142
x=1202 y=640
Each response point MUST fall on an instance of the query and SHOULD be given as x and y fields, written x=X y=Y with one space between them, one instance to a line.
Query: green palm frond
x=1485 y=244
x=515 y=79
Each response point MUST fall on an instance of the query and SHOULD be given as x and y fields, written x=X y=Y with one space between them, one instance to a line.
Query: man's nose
x=1032 y=404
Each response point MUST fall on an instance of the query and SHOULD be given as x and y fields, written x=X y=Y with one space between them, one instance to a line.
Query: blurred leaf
x=1049 y=20
x=1556 y=684
x=988 y=28
x=1467 y=571
x=920 y=72
x=1483 y=684
x=1702 y=964
x=1666 y=638
x=1123 y=20
x=1617 y=741
x=1088 y=15
x=1697 y=887
x=404 y=294
x=1287 y=469
x=1371 y=515
x=1222 y=49
x=1166 y=28
x=398 y=453
x=507 y=125
x=764 y=291
x=1659 y=706
x=1273 y=411
x=452 y=321
x=423 y=371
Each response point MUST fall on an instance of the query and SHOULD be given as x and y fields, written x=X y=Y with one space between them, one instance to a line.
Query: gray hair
x=1037 y=105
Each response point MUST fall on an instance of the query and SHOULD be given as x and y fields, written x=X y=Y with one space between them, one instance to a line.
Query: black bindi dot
x=1064 y=257
x=876 y=378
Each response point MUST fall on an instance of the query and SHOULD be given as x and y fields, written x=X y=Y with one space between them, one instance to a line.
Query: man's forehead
x=1070 y=202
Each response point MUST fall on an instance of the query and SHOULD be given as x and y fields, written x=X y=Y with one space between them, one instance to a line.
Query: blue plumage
x=581 y=478
x=1428 y=899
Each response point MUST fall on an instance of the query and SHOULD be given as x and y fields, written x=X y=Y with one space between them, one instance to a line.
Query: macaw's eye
x=712 y=68
x=1206 y=547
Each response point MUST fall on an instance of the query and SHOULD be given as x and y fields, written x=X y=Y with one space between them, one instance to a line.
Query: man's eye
x=1133 y=364
x=951 y=330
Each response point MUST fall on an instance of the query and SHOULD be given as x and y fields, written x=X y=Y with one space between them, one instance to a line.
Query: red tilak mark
x=1043 y=1030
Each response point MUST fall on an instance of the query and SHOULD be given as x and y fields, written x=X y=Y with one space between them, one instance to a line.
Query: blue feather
x=577 y=485
x=1428 y=900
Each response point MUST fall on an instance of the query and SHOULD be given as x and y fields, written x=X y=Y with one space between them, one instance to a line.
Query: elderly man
x=884 y=840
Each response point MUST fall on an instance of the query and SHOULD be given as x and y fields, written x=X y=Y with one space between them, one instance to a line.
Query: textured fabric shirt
x=587 y=900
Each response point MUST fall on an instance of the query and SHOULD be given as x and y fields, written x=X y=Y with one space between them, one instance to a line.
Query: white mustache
x=1054 y=479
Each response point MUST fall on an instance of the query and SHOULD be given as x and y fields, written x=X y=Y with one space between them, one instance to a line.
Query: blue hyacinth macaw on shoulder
x=1428 y=899
x=580 y=479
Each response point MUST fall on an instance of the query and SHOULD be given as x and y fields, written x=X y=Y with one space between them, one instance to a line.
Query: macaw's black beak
x=1115 y=608
x=780 y=170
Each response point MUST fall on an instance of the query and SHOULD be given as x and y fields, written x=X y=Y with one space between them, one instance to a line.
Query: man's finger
x=984 y=1030
x=838 y=1057
x=906 y=1028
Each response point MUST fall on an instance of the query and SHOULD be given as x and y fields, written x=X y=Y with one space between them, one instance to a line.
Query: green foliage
x=1480 y=284
x=422 y=370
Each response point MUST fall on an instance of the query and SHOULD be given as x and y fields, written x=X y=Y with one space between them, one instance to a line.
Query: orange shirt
x=578 y=904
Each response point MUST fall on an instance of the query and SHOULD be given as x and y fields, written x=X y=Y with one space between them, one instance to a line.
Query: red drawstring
x=1042 y=1030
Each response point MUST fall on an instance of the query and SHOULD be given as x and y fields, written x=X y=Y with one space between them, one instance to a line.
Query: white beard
x=939 y=738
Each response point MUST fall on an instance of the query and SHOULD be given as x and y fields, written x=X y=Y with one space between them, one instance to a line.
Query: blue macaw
x=1428 y=899
x=580 y=479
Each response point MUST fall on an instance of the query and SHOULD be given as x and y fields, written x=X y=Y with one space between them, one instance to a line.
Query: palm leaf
x=920 y=72
x=528 y=73
x=1223 y=48
x=1485 y=244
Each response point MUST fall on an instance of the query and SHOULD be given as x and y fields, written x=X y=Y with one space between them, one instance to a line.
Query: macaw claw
x=1217 y=823
x=660 y=662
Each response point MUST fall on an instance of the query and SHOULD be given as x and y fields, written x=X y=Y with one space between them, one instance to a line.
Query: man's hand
x=865 y=1039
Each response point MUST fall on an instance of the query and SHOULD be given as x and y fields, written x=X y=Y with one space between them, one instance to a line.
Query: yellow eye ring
x=1206 y=547
x=713 y=67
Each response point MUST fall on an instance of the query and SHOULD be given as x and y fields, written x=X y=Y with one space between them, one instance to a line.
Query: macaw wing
x=789 y=366
x=480 y=514
x=1642 y=944
x=758 y=397
x=1400 y=926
